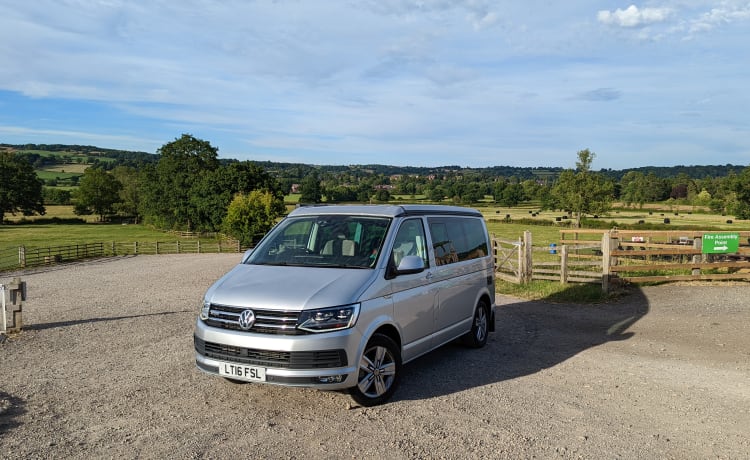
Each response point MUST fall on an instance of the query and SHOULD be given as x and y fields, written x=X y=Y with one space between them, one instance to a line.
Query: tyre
x=477 y=337
x=379 y=371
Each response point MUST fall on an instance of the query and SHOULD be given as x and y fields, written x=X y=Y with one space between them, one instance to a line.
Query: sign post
x=720 y=243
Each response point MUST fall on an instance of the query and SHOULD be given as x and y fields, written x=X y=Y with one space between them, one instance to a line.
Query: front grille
x=276 y=322
x=266 y=358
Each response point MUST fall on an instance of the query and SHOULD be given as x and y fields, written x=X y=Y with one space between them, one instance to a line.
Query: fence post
x=527 y=266
x=199 y=246
x=22 y=256
x=135 y=247
x=697 y=258
x=156 y=248
x=564 y=264
x=606 y=260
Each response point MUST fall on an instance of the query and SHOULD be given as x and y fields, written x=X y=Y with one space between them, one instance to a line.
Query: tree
x=436 y=193
x=310 y=189
x=582 y=192
x=511 y=195
x=130 y=193
x=741 y=187
x=167 y=187
x=250 y=216
x=97 y=193
x=382 y=195
x=633 y=189
x=20 y=189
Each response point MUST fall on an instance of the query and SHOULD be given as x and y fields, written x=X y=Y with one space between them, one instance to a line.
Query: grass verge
x=555 y=292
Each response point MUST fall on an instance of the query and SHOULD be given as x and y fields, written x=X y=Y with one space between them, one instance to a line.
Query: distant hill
x=46 y=155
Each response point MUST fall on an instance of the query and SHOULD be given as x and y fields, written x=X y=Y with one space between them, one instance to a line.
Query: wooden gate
x=508 y=259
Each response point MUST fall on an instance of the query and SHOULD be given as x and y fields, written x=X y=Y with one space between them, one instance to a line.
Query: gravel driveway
x=105 y=368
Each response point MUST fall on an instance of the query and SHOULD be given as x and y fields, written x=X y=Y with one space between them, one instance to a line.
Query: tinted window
x=455 y=239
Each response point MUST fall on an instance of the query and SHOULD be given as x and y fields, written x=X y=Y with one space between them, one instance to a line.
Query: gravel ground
x=105 y=368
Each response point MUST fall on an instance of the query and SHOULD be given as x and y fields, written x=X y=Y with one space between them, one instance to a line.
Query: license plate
x=238 y=371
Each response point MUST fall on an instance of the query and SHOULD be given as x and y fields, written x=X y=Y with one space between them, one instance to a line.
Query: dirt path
x=105 y=369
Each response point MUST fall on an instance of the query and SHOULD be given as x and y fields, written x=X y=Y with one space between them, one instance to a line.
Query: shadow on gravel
x=39 y=327
x=530 y=336
x=11 y=408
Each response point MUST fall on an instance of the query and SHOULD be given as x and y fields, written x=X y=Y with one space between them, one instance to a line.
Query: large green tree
x=166 y=199
x=97 y=193
x=581 y=191
x=20 y=189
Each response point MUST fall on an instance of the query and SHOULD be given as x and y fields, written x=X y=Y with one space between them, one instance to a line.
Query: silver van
x=339 y=297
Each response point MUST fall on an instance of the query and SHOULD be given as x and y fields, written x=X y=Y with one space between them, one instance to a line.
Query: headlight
x=329 y=319
x=204 y=309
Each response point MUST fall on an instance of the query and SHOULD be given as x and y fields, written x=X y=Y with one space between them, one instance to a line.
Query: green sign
x=720 y=243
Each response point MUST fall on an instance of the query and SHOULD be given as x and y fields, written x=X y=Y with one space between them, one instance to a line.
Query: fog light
x=331 y=378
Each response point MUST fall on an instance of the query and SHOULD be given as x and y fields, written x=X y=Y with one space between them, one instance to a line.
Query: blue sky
x=420 y=83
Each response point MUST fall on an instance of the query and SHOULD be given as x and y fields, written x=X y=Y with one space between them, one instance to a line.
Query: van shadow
x=11 y=409
x=42 y=326
x=530 y=336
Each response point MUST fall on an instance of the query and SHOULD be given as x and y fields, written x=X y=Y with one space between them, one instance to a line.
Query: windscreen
x=323 y=241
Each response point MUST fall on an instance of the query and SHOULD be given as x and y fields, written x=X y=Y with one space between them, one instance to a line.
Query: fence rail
x=611 y=256
x=21 y=257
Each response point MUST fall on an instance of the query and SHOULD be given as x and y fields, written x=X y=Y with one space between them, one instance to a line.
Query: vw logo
x=246 y=320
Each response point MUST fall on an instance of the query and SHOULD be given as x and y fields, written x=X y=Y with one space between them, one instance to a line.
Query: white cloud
x=632 y=16
x=723 y=14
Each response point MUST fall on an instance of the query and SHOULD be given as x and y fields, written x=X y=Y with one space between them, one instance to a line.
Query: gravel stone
x=104 y=368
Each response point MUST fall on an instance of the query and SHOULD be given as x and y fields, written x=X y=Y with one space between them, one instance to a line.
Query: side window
x=410 y=241
x=445 y=251
x=455 y=239
x=476 y=239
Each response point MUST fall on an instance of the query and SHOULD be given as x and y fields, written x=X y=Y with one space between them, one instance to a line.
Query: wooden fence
x=612 y=256
x=25 y=257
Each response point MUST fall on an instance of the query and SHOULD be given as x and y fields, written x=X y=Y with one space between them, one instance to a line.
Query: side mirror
x=246 y=256
x=408 y=266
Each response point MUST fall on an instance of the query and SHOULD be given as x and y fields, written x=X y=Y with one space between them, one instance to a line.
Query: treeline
x=295 y=172
x=62 y=154
x=184 y=186
x=187 y=188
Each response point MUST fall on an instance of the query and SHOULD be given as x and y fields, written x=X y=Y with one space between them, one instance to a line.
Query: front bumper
x=323 y=361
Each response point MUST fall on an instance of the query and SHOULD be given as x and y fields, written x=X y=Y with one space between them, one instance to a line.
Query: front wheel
x=477 y=336
x=379 y=370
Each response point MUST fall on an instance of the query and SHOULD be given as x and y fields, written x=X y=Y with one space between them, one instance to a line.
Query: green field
x=43 y=235
x=544 y=227
x=45 y=232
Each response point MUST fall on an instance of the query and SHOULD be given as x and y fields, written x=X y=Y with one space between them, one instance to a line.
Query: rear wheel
x=379 y=370
x=477 y=337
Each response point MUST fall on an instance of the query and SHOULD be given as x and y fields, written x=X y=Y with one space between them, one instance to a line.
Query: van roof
x=386 y=210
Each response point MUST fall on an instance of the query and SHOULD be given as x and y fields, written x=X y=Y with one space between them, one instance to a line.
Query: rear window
x=456 y=239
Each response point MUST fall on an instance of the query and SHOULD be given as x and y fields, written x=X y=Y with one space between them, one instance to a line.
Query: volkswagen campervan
x=339 y=297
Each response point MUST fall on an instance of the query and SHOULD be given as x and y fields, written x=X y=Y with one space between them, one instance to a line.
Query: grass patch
x=44 y=235
x=77 y=168
x=553 y=291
